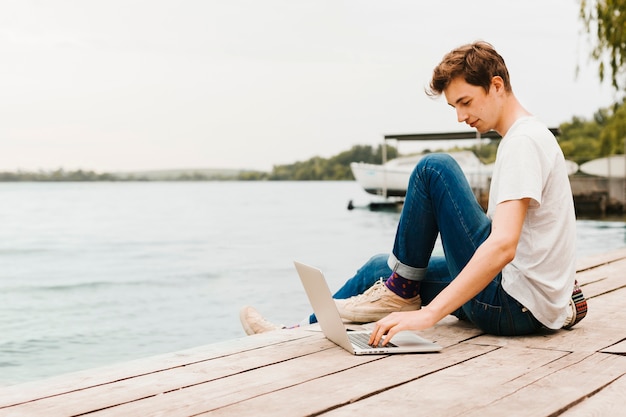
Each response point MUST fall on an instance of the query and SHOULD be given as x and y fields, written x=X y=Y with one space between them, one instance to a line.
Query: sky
x=131 y=85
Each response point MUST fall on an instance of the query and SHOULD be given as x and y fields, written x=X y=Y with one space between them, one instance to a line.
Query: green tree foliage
x=252 y=176
x=579 y=140
x=56 y=175
x=582 y=140
x=613 y=135
x=486 y=152
x=605 y=23
x=336 y=168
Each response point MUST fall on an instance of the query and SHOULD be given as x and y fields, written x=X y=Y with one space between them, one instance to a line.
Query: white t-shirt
x=530 y=164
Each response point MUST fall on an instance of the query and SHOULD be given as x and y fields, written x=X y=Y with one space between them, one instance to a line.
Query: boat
x=571 y=167
x=391 y=179
x=608 y=167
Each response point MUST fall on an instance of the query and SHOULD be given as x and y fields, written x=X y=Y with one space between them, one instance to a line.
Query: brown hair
x=477 y=63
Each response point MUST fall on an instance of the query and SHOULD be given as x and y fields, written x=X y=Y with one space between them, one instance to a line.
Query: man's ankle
x=402 y=287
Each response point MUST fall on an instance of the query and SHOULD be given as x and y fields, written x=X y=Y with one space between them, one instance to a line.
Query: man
x=509 y=271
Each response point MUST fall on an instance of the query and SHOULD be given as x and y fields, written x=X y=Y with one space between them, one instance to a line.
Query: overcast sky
x=117 y=85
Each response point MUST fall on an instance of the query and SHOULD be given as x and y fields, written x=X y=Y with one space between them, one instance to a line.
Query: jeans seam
x=457 y=209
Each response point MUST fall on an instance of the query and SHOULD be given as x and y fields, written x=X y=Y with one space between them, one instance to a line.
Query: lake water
x=97 y=273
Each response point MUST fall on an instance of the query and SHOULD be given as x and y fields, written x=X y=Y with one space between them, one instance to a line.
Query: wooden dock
x=578 y=372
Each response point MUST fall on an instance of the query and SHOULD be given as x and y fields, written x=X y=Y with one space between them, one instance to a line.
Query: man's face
x=472 y=104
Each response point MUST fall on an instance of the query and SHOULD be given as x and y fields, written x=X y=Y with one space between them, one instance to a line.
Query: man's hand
x=396 y=322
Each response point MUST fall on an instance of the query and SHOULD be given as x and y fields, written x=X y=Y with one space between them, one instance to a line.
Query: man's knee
x=435 y=160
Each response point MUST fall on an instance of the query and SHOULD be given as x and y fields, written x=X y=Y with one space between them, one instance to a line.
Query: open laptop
x=332 y=325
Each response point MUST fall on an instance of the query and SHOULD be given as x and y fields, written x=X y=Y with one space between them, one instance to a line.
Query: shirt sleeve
x=520 y=171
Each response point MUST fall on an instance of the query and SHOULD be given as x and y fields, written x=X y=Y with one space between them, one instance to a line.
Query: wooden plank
x=148 y=385
x=561 y=390
x=322 y=394
x=258 y=381
x=599 y=259
x=618 y=348
x=607 y=311
x=166 y=377
x=605 y=278
x=592 y=275
x=490 y=385
x=454 y=390
x=15 y=394
x=607 y=402
x=240 y=387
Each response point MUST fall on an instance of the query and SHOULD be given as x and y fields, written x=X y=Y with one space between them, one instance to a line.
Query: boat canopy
x=468 y=134
x=454 y=135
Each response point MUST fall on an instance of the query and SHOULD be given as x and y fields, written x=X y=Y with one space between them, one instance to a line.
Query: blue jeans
x=440 y=202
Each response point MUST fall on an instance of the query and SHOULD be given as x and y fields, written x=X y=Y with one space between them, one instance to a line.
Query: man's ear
x=498 y=83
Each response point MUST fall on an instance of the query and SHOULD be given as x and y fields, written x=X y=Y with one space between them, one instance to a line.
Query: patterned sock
x=405 y=288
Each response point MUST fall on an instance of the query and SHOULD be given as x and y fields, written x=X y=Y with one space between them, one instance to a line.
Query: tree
x=614 y=132
x=579 y=138
x=582 y=140
x=605 y=23
x=336 y=168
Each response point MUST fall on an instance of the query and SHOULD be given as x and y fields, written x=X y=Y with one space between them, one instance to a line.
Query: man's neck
x=511 y=112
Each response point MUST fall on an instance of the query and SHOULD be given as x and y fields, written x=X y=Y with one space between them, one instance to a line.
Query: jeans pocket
x=486 y=317
x=512 y=319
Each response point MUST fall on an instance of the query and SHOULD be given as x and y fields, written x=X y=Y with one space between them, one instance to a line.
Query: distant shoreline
x=61 y=175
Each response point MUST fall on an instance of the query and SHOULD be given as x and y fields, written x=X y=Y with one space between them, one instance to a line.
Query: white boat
x=608 y=167
x=571 y=167
x=391 y=179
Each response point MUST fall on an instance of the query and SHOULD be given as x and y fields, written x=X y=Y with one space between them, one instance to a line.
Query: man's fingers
x=383 y=327
x=377 y=334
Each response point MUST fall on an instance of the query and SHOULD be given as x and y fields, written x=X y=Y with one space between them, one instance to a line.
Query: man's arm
x=488 y=260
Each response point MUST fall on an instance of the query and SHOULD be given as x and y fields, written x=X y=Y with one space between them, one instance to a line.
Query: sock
x=405 y=288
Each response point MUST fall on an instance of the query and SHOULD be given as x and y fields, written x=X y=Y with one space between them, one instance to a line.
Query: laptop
x=333 y=328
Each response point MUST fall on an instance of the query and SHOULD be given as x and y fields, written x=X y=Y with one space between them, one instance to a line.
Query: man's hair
x=477 y=63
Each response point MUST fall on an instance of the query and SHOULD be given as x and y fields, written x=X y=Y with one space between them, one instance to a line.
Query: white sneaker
x=253 y=322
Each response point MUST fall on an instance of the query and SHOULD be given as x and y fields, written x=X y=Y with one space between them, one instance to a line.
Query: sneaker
x=253 y=322
x=375 y=303
x=577 y=309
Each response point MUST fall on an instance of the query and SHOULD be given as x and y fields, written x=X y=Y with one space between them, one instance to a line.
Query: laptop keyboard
x=361 y=339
